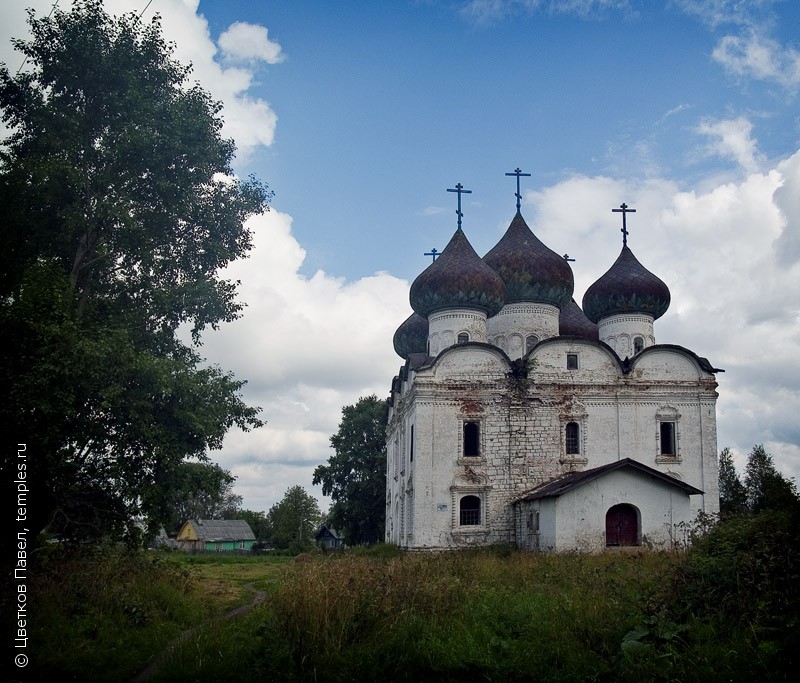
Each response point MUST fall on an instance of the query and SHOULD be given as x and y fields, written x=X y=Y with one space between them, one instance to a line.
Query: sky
x=360 y=116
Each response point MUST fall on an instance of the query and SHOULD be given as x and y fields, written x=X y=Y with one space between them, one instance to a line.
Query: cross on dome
x=518 y=172
x=623 y=209
x=433 y=252
x=459 y=188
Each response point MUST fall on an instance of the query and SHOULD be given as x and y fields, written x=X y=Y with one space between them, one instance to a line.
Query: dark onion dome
x=573 y=323
x=626 y=287
x=457 y=279
x=531 y=271
x=411 y=336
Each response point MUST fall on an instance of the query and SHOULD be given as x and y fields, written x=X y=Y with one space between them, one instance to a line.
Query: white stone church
x=521 y=419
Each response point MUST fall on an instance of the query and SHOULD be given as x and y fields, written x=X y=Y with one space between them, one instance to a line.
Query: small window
x=572 y=438
x=638 y=344
x=463 y=337
x=470 y=511
x=530 y=341
x=667 y=433
x=472 y=440
x=218 y=547
x=411 y=445
x=572 y=361
x=241 y=545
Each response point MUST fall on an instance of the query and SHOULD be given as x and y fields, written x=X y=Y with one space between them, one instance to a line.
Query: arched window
x=530 y=341
x=469 y=510
x=638 y=344
x=463 y=337
x=622 y=525
x=573 y=438
x=472 y=440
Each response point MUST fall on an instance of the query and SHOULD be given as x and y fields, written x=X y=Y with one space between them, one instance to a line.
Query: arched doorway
x=622 y=525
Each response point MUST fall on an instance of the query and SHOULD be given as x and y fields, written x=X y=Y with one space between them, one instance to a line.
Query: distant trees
x=355 y=476
x=291 y=523
x=119 y=209
x=764 y=487
x=192 y=490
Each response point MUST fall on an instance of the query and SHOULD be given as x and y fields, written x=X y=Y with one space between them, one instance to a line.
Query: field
x=491 y=615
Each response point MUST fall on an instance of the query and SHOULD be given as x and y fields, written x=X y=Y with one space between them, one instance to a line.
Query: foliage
x=258 y=523
x=193 y=490
x=766 y=487
x=732 y=493
x=119 y=210
x=88 y=600
x=355 y=476
x=291 y=523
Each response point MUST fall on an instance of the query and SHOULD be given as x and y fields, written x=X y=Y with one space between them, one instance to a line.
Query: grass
x=489 y=615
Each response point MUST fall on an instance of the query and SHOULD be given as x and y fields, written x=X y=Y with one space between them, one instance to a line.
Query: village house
x=521 y=418
x=215 y=535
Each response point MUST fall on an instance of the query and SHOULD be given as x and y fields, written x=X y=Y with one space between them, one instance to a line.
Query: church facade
x=520 y=418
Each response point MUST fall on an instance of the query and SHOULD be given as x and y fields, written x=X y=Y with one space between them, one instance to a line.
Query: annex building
x=521 y=418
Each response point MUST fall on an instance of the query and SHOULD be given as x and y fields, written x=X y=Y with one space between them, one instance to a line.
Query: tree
x=118 y=209
x=732 y=494
x=193 y=490
x=257 y=520
x=292 y=522
x=355 y=476
x=766 y=488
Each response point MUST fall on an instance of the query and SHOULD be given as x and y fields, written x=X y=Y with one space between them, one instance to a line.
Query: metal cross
x=568 y=259
x=432 y=252
x=459 y=188
x=517 y=172
x=623 y=209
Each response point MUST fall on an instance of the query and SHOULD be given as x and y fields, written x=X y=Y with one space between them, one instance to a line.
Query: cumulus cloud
x=307 y=346
x=732 y=139
x=245 y=42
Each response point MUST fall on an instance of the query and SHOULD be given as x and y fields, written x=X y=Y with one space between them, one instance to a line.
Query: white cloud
x=308 y=347
x=731 y=139
x=249 y=43
x=761 y=58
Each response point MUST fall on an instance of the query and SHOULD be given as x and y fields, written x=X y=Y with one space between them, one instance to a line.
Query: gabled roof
x=337 y=535
x=222 y=529
x=572 y=480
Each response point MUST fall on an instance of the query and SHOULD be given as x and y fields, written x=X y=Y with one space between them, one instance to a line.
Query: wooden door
x=622 y=525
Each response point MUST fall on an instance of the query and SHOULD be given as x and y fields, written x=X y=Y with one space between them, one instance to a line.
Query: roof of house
x=222 y=529
x=572 y=480
x=330 y=530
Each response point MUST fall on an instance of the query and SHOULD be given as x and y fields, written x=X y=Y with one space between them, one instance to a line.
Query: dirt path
x=155 y=665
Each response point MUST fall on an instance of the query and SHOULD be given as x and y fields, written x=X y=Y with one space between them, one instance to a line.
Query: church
x=521 y=418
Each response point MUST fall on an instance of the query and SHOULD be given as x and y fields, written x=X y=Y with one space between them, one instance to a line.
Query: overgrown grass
x=103 y=613
x=726 y=610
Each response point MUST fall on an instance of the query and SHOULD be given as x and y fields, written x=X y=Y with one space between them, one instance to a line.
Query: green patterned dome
x=411 y=336
x=626 y=287
x=457 y=279
x=530 y=270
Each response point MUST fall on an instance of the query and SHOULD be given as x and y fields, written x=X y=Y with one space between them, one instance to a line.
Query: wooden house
x=216 y=535
x=328 y=538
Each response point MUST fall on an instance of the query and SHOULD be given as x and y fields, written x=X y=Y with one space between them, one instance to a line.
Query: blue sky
x=360 y=115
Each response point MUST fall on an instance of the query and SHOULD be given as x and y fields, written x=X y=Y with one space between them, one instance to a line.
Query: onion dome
x=457 y=279
x=626 y=287
x=573 y=323
x=411 y=336
x=530 y=270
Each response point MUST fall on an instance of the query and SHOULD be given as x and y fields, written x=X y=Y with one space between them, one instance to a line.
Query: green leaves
x=355 y=477
x=119 y=211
